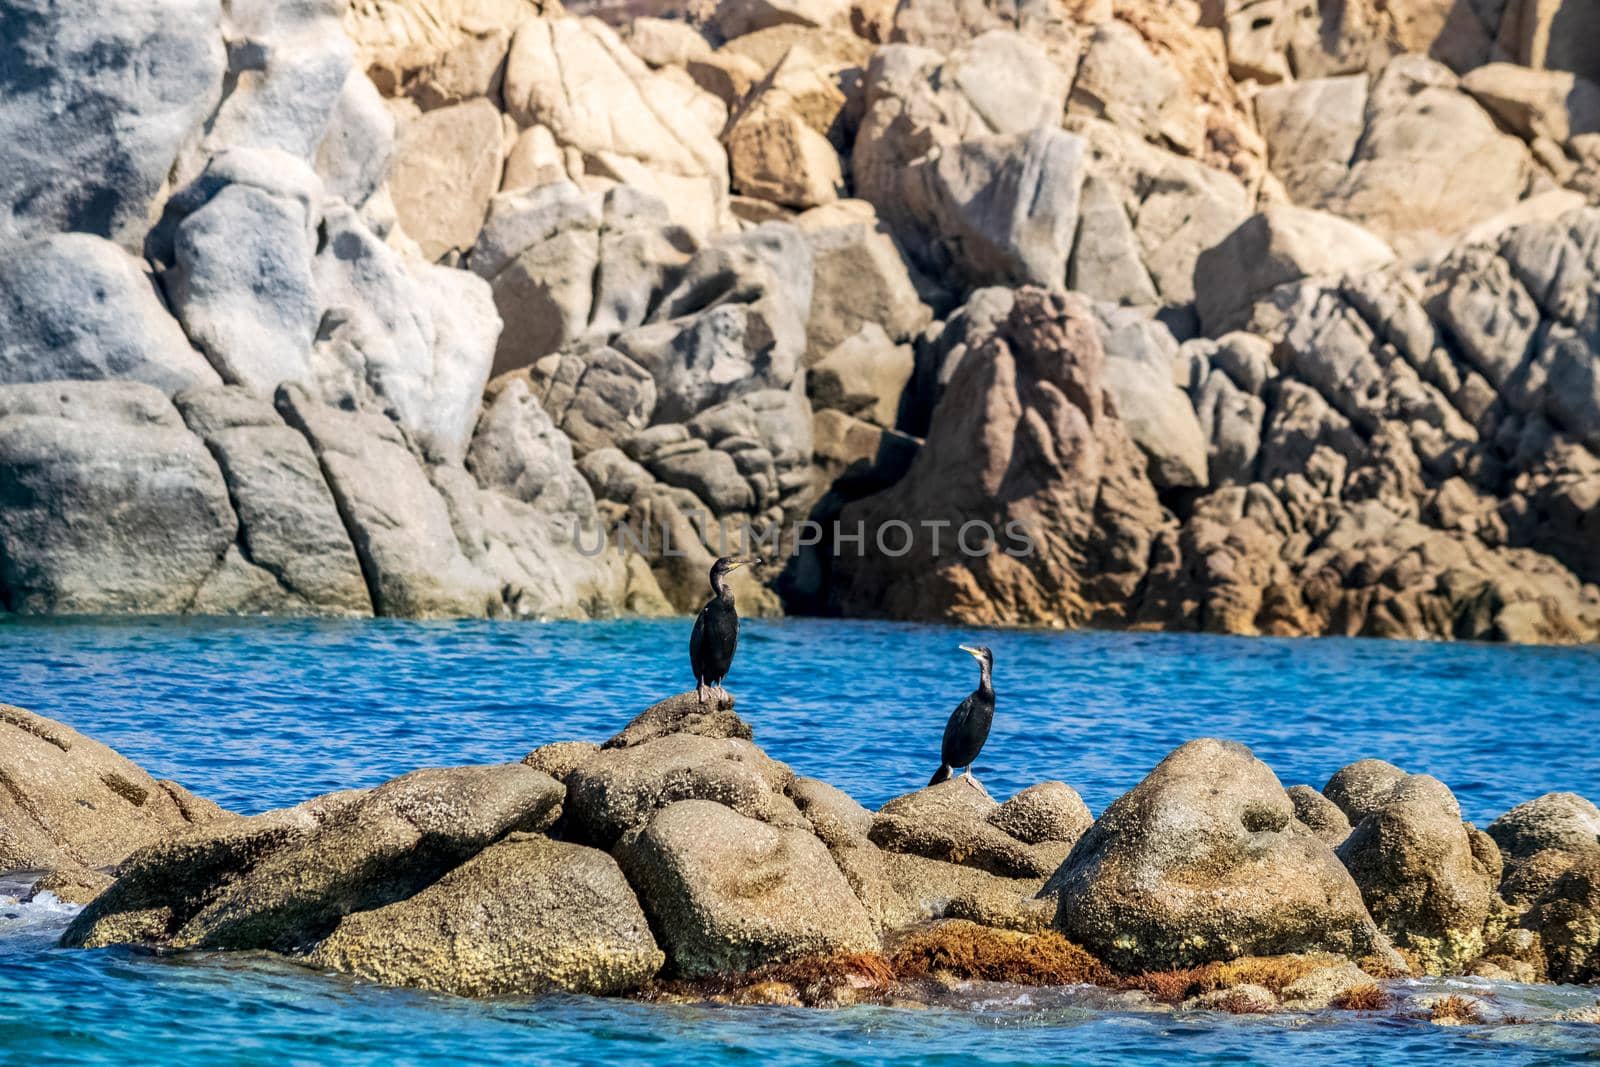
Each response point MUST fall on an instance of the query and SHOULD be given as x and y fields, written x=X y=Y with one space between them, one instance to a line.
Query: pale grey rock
x=399 y=524
x=101 y=99
x=1140 y=358
x=288 y=523
x=859 y=278
x=1312 y=128
x=354 y=155
x=1105 y=253
x=78 y=307
x=596 y=396
x=107 y=502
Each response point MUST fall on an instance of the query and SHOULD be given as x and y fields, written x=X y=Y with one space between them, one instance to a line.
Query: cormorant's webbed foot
x=700 y=692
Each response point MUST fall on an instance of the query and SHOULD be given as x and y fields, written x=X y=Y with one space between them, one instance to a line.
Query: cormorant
x=716 y=629
x=968 y=727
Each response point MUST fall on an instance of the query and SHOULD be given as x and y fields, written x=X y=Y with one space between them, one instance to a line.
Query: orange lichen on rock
x=1274 y=973
x=969 y=951
x=1369 y=997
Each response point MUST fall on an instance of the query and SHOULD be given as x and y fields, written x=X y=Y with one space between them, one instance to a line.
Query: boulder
x=73 y=803
x=289 y=524
x=100 y=101
x=864 y=375
x=241 y=282
x=735 y=18
x=834 y=815
x=629 y=123
x=1567 y=919
x=1321 y=815
x=559 y=759
x=666 y=42
x=1363 y=787
x=945 y=25
x=1049 y=811
x=952 y=821
x=727 y=893
x=473 y=68
x=1023 y=431
x=1203 y=861
x=447 y=163
x=399 y=524
x=77 y=307
x=1106 y=260
x=1554 y=104
x=1430 y=162
x=1140 y=357
x=354 y=157
x=1312 y=129
x=595 y=395
x=1550 y=36
x=620 y=789
x=284 y=880
x=1276 y=247
x=107 y=502
x=1177 y=207
x=781 y=139
x=527 y=915
x=1121 y=81
x=1563 y=821
x=1427 y=878
x=901 y=889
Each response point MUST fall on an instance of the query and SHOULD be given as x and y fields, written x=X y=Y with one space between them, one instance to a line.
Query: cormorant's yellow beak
x=744 y=562
x=969 y=650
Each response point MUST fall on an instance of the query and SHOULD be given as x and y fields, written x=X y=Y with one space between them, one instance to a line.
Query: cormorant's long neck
x=719 y=588
x=985 y=681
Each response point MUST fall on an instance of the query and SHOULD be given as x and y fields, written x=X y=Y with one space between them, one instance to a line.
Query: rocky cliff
x=1253 y=317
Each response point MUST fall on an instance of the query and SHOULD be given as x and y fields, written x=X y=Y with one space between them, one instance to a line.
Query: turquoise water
x=257 y=714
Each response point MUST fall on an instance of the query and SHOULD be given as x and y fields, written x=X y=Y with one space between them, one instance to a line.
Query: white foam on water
x=27 y=923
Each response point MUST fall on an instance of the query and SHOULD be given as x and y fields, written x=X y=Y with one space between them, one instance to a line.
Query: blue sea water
x=257 y=714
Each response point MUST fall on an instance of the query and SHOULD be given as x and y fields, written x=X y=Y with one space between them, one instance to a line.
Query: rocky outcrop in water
x=691 y=864
x=1259 y=318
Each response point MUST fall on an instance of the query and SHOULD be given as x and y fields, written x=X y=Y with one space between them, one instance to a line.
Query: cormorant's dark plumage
x=716 y=629
x=968 y=727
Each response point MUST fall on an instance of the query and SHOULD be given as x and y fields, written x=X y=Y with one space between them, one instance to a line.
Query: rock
x=1041 y=367
x=241 y=282
x=107 y=503
x=1246 y=998
x=631 y=124
x=1564 y=821
x=727 y=893
x=951 y=822
x=473 y=68
x=1178 y=207
x=1230 y=421
x=74 y=804
x=1321 y=815
x=527 y=915
x=1536 y=103
x=665 y=42
x=1312 y=129
x=398 y=523
x=101 y=101
x=864 y=375
x=559 y=759
x=356 y=151
x=909 y=889
x=1363 y=787
x=779 y=142
x=1551 y=36
x=735 y=18
x=1140 y=355
x=1202 y=861
x=71 y=883
x=77 y=307
x=1049 y=811
x=288 y=522
x=1427 y=879
x=1121 y=81
x=594 y=395
x=1430 y=160
x=517 y=452
x=1106 y=262
x=620 y=789
x=834 y=815
x=447 y=164
x=1279 y=246
x=683 y=714
x=285 y=879
x=845 y=447
x=945 y=25
x=1326 y=987
x=1567 y=920
x=1004 y=208
x=859 y=279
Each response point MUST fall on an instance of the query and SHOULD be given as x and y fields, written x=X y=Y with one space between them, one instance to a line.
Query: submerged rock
x=526 y=915
x=1202 y=861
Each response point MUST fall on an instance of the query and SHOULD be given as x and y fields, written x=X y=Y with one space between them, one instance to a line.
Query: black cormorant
x=968 y=727
x=716 y=628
